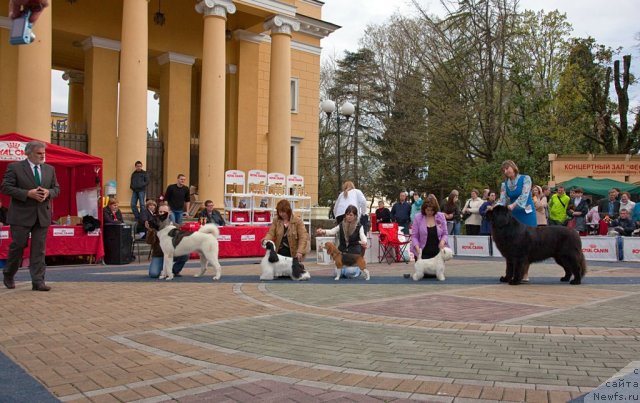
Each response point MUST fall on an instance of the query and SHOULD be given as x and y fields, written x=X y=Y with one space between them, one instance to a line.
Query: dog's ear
x=297 y=268
x=273 y=256
x=163 y=216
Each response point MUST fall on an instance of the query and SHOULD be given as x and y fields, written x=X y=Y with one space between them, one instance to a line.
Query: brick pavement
x=109 y=334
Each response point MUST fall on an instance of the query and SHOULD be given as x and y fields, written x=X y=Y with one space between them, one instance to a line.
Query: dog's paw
x=367 y=276
x=504 y=279
x=514 y=282
x=197 y=275
x=566 y=278
x=216 y=278
x=169 y=278
x=440 y=277
x=162 y=277
x=337 y=278
x=575 y=281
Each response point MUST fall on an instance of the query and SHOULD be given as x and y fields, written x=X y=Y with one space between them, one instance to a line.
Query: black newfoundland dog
x=522 y=245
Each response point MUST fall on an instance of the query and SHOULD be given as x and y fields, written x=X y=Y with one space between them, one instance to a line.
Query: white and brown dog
x=346 y=260
x=175 y=242
x=433 y=266
x=274 y=265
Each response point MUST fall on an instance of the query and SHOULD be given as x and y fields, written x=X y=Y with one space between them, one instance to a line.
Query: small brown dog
x=346 y=259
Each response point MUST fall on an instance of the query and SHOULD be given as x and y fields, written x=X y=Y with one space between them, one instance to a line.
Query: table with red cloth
x=236 y=241
x=62 y=240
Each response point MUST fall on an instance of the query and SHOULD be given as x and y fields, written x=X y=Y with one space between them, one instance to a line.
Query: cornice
x=316 y=28
x=97 y=42
x=273 y=6
x=248 y=36
x=316 y=3
x=280 y=24
x=218 y=8
x=174 y=57
x=303 y=47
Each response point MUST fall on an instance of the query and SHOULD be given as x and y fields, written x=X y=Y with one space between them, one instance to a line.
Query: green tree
x=403 y=146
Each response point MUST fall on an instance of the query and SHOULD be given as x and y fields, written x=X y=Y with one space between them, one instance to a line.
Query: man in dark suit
x=609 y=207
x=31 y=184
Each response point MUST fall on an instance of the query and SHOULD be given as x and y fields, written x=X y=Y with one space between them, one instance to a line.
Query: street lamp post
x=347 y=109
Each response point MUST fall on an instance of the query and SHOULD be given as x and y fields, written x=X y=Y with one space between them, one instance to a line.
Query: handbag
x=466 y=215
x=571 y=224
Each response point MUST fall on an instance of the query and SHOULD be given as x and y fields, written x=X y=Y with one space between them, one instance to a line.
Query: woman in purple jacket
x=429 y=231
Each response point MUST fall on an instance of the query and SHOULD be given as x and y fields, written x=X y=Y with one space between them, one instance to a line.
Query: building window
x=295 y=146
x=295 y=87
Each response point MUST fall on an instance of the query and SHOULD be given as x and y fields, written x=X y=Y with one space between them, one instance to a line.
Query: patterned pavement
x=110 y=334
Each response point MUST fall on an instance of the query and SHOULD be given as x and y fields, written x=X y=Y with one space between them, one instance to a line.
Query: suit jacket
x=603 y=208
x=18 y=180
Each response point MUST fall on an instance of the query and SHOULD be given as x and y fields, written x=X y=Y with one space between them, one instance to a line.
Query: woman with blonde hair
x=515 y=194
x=540 y=203
x=288 y=232
x=350 y=196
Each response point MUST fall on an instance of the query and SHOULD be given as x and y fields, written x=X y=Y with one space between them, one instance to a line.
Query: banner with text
x=599 y=248
x=631 y=249
x=471 y=245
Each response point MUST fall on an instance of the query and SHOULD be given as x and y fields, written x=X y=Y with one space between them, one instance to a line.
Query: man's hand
x=39 y=194
x=17 y=7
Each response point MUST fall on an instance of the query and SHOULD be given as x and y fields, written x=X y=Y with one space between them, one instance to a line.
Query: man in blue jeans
x=139 y=182
x=177 y=195
x=157 y=256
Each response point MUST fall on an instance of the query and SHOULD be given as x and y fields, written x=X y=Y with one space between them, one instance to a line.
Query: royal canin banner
x=631 y=249
x=12 y=150
x=467 y=245
x=599 y=248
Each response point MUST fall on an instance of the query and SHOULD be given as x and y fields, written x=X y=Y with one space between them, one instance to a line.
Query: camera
x=21 y=30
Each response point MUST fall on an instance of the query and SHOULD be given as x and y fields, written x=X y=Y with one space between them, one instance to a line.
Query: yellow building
x=238 y=81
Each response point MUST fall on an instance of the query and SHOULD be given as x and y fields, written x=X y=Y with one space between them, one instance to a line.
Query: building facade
x=238 y=84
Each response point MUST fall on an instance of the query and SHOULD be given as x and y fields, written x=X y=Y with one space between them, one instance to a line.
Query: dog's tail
x=583 y=265
x=210 y=229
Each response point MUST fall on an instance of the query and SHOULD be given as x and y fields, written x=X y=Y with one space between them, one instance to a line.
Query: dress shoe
x=39 y=287
x=8 y=281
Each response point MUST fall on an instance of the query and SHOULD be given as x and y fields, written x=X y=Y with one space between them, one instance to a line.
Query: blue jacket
x=485 y=226
x=401 y=213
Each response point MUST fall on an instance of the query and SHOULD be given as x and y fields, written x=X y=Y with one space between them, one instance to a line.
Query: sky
x=610 y=25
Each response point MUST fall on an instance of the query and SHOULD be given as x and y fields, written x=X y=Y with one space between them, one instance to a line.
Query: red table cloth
x=61 y=241
x=237 y=241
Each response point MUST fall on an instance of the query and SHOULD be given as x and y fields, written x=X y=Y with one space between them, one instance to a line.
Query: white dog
x=433 y=266
x=274 y=265
x=174 y=242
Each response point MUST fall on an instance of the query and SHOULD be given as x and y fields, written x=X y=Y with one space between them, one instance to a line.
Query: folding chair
x=135 y=245
x=391 y=248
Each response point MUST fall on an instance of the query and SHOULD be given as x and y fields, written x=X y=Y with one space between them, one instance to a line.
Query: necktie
x=36 y=173
x=115 y=217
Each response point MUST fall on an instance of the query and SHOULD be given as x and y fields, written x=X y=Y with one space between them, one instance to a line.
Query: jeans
x=177 y=216
x=135 y=198
x=453 y=227
x=155 y=267
x=350 y=272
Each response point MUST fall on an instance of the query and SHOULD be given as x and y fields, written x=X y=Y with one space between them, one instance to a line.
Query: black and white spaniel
x=274 y=265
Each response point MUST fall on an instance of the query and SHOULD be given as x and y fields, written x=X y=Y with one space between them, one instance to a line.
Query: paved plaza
x=111 y=334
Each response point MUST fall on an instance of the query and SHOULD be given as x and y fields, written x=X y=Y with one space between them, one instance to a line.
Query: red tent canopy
x=76 y=171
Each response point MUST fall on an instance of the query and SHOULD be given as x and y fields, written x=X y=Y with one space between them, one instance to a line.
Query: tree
x=627 y=139
x=402 y=148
